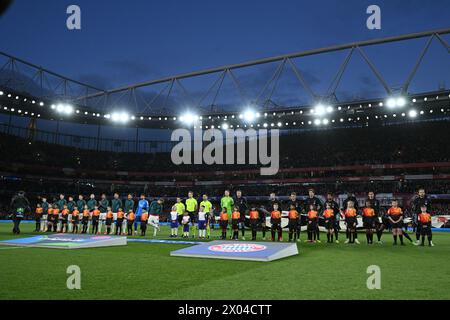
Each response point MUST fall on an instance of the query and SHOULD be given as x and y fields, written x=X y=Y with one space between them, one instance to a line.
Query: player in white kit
x=202 y=223
x=174 y=222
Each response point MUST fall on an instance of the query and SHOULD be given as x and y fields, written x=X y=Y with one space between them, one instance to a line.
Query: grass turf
x=147 y=271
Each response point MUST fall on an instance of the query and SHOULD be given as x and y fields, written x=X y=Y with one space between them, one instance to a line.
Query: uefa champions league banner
x=67 y=241
x=238 y=250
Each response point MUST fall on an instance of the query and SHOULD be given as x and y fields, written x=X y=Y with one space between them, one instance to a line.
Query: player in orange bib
x=424 y=220
x=328 y=215
x=224 y=223
x=49 y=219
x=293 y=223
x=313 y=217
x=144 y=221
x=395 y=214
x=254 y=222
x=64 y=219
x=38 y=215
x=85 y=219
x=119 y=221
x=369 y=216
x=95 y=220
x=130 y=221
x=109 y=220
x=275 y=220
x=75 y=219
x=235 y=219
x=351 y=222
x=55 y=217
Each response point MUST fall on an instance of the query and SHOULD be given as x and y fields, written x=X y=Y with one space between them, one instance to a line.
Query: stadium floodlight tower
x=62 y=108
x=321 y=109
x=189 y=118
x=396 y=102
x=120 y=117
x=249 y=115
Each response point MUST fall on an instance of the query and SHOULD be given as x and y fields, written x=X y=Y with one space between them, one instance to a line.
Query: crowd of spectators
x=407 y=143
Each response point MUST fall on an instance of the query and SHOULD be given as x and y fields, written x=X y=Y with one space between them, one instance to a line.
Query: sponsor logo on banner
x=237 y=247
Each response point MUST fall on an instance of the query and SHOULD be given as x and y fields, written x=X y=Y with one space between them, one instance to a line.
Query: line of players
x=119 y=217
x=65 y=216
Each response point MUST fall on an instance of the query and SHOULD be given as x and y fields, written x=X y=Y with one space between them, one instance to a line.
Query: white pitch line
x=6 y=248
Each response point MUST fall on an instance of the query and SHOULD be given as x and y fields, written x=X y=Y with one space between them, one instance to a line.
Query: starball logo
x=227 y=147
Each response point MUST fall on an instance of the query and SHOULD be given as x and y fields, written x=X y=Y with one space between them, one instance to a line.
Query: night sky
x=123 y=42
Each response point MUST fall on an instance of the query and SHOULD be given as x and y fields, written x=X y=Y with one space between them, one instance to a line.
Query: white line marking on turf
x=6 y=248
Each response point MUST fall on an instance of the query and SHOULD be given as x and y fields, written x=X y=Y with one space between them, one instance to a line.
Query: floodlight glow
x=60 y=108
x=391 y=103
x=225 y=126
x=249 y=115
x=68 y=109
x=317 y=122
x=122 y=117
x=188 y=118
x=329 y=109
x=325 y=121
x=319 y=110
x=400 y=102
x=412 y=113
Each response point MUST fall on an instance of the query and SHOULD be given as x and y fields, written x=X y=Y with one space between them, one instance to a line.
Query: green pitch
x=146 y=271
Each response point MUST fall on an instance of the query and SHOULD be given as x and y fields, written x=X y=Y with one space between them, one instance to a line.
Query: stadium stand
x=337 y=160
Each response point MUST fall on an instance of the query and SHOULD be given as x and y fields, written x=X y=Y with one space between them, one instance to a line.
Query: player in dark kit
x=337 y=216
x=241 y=203
x=418 y=202
x=312 y=200
x=275 y=220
